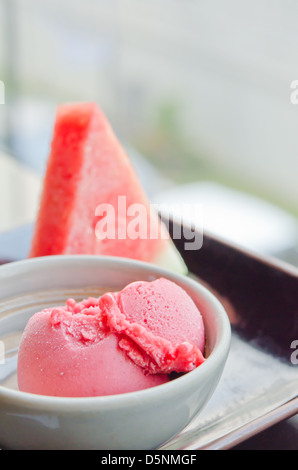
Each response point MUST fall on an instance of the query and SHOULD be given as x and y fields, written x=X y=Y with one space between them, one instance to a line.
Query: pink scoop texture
x=121 y=342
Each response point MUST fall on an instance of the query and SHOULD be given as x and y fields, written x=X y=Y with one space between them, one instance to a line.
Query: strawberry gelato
x=120 y=342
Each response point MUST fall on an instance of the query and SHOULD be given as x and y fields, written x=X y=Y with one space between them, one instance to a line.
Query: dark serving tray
x=256 y=402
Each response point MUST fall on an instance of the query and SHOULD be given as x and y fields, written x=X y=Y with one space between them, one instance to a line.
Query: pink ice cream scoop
x=121 y=342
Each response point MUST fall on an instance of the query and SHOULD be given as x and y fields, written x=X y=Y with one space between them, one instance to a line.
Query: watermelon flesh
x=88 y=185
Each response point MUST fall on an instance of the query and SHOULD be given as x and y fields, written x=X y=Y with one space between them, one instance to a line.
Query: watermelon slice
x=92 y=201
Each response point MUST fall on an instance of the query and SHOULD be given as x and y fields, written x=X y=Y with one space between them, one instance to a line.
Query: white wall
x=229 y=64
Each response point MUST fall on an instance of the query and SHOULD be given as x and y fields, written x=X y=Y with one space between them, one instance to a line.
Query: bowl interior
x=29 y=286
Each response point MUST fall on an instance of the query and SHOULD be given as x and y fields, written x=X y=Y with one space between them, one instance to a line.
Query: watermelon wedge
x=92 y=201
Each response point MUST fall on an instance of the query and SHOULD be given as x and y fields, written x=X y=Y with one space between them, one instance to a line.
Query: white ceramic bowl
x=139 y=420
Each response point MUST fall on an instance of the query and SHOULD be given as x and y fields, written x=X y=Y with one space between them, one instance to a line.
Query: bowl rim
x=163 y=391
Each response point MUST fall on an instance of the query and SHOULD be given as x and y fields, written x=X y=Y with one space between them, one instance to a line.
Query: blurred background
x=198 y=91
